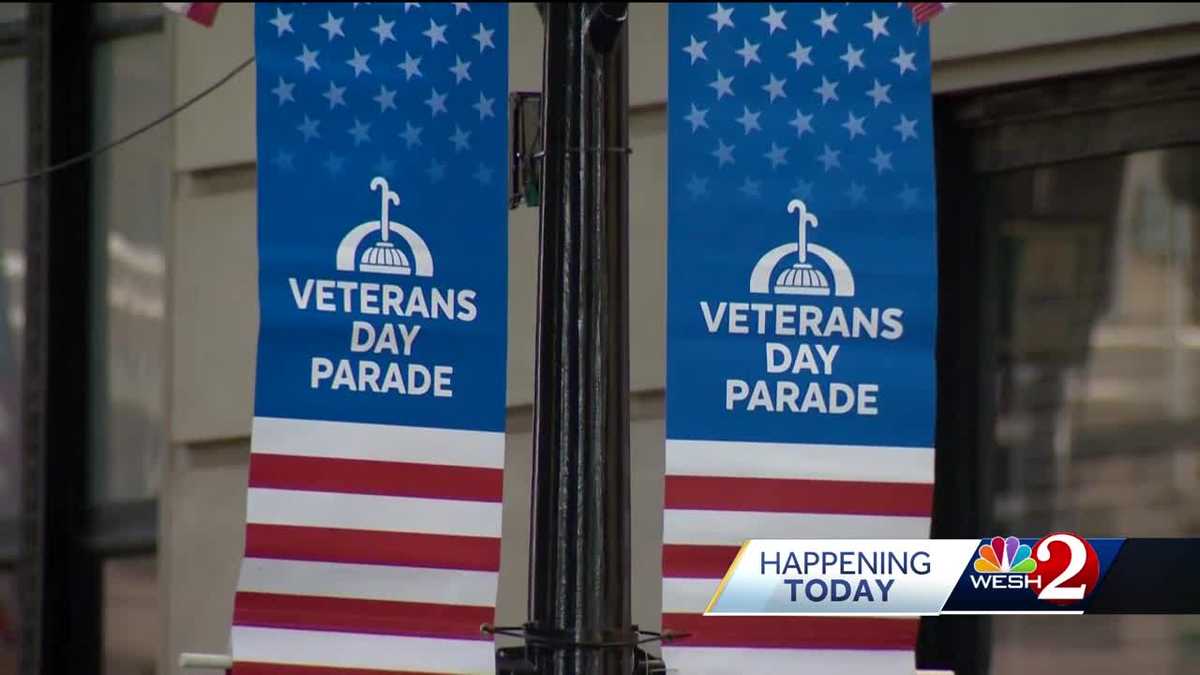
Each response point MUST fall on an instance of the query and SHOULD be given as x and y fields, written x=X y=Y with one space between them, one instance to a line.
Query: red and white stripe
x=203 y=13
x=369 y=549
x=924 y=11
x=720 y=493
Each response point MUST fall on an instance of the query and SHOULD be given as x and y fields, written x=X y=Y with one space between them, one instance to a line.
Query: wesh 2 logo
x=1062 y=568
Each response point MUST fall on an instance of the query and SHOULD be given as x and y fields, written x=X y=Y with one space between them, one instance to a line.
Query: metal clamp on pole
x=194 y=661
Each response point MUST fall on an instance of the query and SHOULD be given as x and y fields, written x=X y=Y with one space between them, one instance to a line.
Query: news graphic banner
x=1059 y=573
x=801 y=311
x=373 y=514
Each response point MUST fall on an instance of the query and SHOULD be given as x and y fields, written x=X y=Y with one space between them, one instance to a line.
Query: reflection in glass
x=1098 y=384
x=130 y=217
x=12 y=279
x=131 y=617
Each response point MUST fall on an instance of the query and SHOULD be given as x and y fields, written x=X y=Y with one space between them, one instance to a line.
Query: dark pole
x=579 y=592
x=60 y=578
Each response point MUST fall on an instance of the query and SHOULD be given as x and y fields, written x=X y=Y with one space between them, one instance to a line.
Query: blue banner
x=801 y=305
x=372 y=114
x=819 y=136
x=375 y=486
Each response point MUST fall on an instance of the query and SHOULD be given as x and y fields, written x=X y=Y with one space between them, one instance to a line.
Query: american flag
x=203 y=13
x=372 y=547
x=769 y=102
x=925 y=11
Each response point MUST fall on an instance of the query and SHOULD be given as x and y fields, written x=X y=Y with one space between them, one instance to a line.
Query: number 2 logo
x=1068 y=568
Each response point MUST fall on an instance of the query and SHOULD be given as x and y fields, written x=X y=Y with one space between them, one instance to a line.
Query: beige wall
x=213 y=267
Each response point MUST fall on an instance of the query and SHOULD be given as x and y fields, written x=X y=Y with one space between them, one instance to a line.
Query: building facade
x=1068 y=142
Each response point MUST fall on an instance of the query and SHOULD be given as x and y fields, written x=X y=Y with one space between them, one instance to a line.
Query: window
x=129 y=198
x=1085 y=194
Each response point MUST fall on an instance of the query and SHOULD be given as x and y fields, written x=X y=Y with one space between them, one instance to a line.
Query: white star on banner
x=436 y=34
x=386 y=98
x=827 y=90
x=879 y=93
x=697 y=186
x=696 y=50
x=723 y=85
x=723 y=153
x=359 y=63
x=484 y=106
x=283 y=160
x=826 y=22
x=882 y=160
x=436 y=171
x=774 y=19
x=333 y=26
x=436 y=102
x=284 y=91
x=335 y=95
x=460 y=7
x=411 y=5
x=749 y=121
x=802 y=123
x=803 y=189
x=854 y=125
x=830 y=158
x=908 y=197
x=484 y=38
x=853 y=58
x=905 y=60
x=360 y=132
x=751 y=188
x=411 y=135
x=282 y=22
x=856 y=193
x=777 y=155
x=309 y=129
x=309 y=59
x=410 y=66
x=697 y=117
x=775 y=88
x=800 y=55
x=385 y=166
x=384 y=30
x=461 y=139
x=483 y=174
x=334 y=164
x=877 y=25
x=723 y=16
x=907 y=128
x=748 y=52
x=461 y=70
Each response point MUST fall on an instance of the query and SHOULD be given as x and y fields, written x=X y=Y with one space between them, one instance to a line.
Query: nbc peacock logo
x=1005 y=564
x=1005 y=556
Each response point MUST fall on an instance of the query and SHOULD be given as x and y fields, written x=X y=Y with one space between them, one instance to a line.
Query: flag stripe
x=375 y=548
x=724 y=660
x=341 y=651
x=793 y=632
x=733 y=527
x=379 y=442
x=703 y=562
x=379 y=617
x=371 y=512
x=369 y=582
x=398 y=479
x=798 y=496
x=244 y=668
x=800 y=461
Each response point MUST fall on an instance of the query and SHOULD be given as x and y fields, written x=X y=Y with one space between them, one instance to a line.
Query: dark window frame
x=59 y=544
